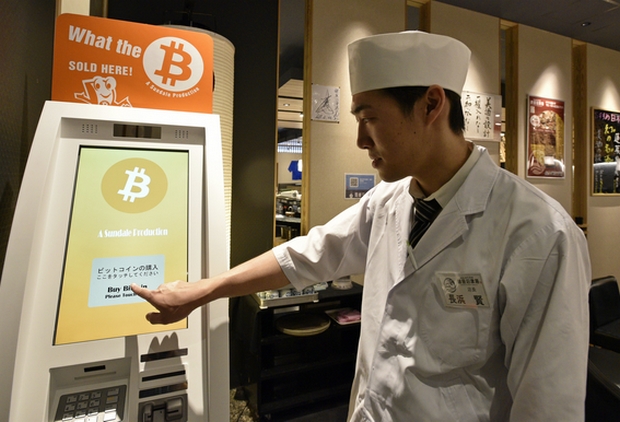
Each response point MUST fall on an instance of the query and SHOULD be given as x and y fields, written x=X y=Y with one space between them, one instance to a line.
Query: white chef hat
x=410 y=58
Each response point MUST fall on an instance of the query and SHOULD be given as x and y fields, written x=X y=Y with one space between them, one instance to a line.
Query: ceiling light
x=584 y=24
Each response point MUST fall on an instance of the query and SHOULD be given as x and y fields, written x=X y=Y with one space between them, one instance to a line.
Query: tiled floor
x=240 y=412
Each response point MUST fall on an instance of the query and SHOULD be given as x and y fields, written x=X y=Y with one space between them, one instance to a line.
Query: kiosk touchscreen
x=135 y=234
x=113 y=196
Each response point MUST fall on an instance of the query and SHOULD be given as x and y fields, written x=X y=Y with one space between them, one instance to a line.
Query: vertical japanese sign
x=606 y=152
x=483 y=116
x=118 y=63
x=128 y=225
x=545 y=155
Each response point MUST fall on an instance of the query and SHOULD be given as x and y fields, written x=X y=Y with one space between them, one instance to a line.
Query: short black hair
x=407 y=96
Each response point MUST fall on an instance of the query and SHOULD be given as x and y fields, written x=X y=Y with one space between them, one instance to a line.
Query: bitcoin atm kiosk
x=113 y=196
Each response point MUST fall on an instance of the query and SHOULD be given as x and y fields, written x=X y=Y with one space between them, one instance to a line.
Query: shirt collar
x=445 y=193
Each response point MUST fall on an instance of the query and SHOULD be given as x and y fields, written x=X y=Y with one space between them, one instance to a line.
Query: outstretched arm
x=175 y=301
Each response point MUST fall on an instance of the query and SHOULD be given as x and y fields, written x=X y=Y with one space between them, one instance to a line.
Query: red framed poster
x=545 y=137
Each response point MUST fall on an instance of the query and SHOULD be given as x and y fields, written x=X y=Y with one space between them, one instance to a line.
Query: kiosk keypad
x=101 y=405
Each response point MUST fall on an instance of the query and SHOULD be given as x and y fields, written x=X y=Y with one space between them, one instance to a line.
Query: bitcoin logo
x=134 y=185
x=143 y=185
x=173 y=64
x=172 y=52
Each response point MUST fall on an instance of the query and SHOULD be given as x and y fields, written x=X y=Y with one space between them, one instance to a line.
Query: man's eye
x=363 y=120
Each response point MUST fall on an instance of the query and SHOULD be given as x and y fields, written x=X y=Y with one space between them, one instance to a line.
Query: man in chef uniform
x=475 y=282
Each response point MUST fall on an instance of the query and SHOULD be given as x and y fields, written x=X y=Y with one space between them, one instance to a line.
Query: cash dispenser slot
x=163 y=387
x=164 y=410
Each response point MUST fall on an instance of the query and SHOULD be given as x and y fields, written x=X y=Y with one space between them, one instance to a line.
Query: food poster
x=545 y=156
x=118 y=63
x=606 y=152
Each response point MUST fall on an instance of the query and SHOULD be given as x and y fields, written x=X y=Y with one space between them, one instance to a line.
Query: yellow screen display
x=129 y=224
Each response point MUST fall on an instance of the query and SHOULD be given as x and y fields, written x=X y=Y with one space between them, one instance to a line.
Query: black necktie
x=425 y=213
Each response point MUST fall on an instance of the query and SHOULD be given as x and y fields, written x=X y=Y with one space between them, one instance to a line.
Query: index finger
x=145 y=294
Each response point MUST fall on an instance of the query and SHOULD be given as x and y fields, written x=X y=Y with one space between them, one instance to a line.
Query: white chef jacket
x=521 y=358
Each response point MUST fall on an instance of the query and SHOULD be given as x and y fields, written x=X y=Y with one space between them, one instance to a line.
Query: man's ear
x=436 y=102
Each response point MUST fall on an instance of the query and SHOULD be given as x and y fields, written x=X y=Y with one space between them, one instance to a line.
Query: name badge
x=462 y=290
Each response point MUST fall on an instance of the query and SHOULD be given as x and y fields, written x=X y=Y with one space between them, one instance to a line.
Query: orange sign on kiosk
x=119 y=63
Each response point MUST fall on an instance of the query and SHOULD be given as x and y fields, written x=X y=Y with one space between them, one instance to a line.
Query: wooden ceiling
x=290 y=104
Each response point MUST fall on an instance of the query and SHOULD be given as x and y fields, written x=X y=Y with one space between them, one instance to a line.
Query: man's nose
x=363 y=138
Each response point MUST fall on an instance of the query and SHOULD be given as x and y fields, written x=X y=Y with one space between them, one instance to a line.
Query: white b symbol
x=128 y=192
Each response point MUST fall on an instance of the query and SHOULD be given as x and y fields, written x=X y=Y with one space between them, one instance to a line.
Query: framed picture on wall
x=326 y=103
x=605 y=152
x=545 y=137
